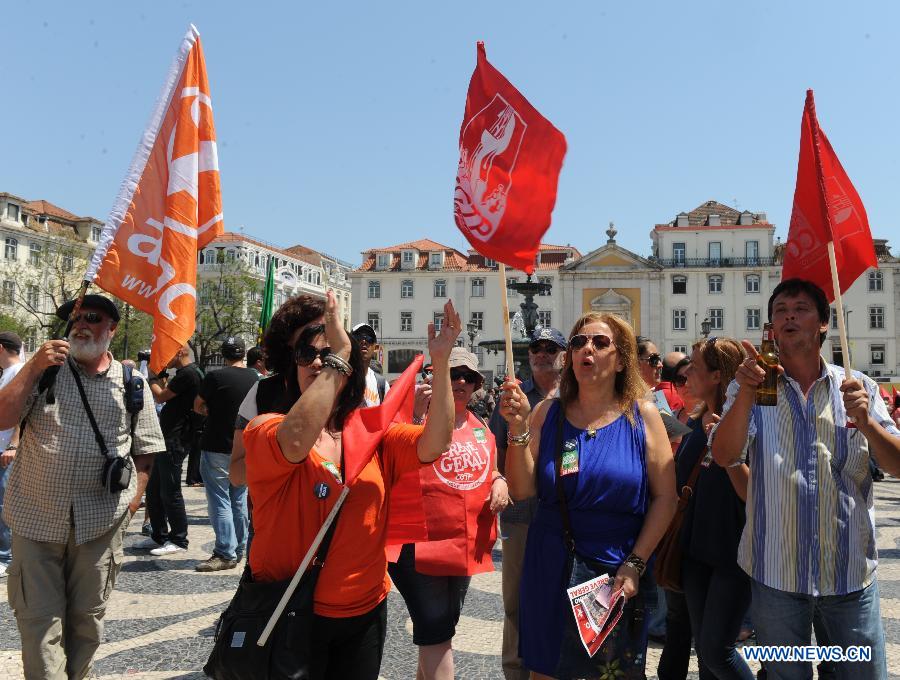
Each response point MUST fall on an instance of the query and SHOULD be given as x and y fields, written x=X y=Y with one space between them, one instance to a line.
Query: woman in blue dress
x=612 y=466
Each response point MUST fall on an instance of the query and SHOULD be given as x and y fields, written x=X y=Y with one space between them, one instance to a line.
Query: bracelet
x=338 y=364
x=499 y=477
x=518 y=440
x=12 y=447
x=636 y=563
x=418 y=421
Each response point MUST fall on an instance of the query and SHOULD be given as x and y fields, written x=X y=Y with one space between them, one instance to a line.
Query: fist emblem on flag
x=489 y=145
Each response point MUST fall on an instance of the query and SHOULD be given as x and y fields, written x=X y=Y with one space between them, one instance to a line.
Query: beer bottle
x=767 y=393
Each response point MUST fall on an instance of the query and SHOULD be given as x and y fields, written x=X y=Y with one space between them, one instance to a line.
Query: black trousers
x=676 y=654
x=165 y=503
x=348 y=647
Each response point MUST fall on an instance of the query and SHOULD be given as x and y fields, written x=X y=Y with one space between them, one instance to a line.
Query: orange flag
x=168 y=208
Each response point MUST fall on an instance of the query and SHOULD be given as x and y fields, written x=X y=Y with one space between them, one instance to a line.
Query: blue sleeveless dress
x=607 y=501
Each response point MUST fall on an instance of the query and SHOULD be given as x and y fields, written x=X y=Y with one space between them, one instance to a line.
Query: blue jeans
x=5 y=533
x=226 y=504
x=783 y=618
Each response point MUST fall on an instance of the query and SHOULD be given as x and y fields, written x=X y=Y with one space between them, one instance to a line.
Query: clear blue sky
x=338 y=123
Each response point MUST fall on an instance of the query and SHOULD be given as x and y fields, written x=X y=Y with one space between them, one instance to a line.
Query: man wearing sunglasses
x=668 y=380
x=545 y=356
x=67 y=525
x=376 y=386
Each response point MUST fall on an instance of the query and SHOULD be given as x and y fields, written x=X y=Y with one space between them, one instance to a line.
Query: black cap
x=10 y=341
x=548 y=333
x=233 y=348
x=104 y=304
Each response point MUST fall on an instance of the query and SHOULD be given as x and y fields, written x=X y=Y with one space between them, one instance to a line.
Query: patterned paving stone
x=160 y=618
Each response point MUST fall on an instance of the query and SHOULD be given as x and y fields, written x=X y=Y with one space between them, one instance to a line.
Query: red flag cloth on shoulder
x=826 y=208
x=509 y=162
x=168 y=208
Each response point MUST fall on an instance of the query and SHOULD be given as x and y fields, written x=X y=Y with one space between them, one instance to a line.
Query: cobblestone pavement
x=161 y=615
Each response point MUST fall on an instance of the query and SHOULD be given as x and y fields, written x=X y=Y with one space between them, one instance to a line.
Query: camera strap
x=90 y=414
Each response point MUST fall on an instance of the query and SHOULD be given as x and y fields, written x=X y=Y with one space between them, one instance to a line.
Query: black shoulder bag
x=287 y=652
x=117 y=470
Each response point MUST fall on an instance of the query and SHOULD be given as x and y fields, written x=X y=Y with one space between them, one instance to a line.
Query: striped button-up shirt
x=56 y=479
x=810 y=519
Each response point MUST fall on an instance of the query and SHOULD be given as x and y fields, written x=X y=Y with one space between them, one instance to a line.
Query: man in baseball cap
x=233 y=348
x=376 y=386
x=10 y=342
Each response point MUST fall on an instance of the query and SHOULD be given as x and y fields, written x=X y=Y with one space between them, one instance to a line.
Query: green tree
x=134 y=333
x=14 y=324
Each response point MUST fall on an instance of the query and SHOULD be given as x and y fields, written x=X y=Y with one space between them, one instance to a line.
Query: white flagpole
x=507 y=333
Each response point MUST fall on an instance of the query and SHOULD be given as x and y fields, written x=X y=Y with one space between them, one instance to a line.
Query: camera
x=143 y=355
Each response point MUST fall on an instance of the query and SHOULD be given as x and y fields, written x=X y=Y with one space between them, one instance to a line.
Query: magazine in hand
x=597 y=609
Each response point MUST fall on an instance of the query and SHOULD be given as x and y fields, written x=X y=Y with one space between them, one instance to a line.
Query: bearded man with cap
x=545 y=357
x=376 y=385
x=219 y=398
x=67 y=525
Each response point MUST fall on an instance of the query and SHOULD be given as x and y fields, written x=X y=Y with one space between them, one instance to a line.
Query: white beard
x=83 y=349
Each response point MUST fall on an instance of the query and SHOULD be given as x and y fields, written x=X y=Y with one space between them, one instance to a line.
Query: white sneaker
x=2 y=570
x=145 y=544
x=167 y=549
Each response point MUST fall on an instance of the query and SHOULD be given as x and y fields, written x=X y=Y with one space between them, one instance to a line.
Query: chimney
x=682 y=220
x=746 y=218
x=714 y=220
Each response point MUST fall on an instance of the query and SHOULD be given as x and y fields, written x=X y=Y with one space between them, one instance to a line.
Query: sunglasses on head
x=463 y=374
x=88 y=317
x=598 y=340
x=653 y=359
x=305 y=355
x=544 y=347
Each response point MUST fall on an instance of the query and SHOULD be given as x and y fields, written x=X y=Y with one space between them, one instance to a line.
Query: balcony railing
x=715 y=262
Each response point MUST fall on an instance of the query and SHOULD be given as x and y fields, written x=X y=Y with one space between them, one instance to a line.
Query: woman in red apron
x=462 y=492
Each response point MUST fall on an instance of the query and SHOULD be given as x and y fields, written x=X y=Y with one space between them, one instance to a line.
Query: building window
x=32 y=296
x=7 y=297
x=834 y=318
x=715 y=284
x=406 y=288
x=440 y=288
x=679 y=285
x=549 y=281
x=438 y=321
x=374 y=320
x=876 y=317
x=753 y=319
x=545 y=318
x=384 y=260
x=876 y=355
x=679 y=320
x=837 y=356
x=68 y=262
x=12 y=249
x=477 y=321
x=752 y=283
x=751 y=252
x=12 y=212
x=374 y=290
x=437 y=260
x=715 y=253
x=399 y=359
x=408 y=258
x=96 y=232
x=34 y=254
x=678 y=252
x=29 y=342
x=209 y=257
x=716 y=319
x=489 y=263
x=876 y=282
x=477 y=287
x=406 y=322
x=680 y=348
x=510 y=291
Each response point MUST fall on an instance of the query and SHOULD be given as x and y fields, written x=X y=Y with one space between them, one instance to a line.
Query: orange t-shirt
x=287 y=514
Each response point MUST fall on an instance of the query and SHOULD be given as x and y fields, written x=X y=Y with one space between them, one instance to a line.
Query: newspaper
x=597 y=609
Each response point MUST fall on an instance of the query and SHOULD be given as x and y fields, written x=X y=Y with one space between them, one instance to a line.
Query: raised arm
x=874 y=423
x=438 y=431
x=308 y=416
x=524 y=431
x=14 y=396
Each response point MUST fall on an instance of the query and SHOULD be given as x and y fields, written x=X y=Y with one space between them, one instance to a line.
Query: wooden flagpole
x=507 y=333
x=842 y=330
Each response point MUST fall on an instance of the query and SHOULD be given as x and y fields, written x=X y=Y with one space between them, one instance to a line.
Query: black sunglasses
x=89 y=317
x=365 y=338
x=305 y=355
x=544 y=347
x=463 y=374
x=598 y=340
x=654 y=360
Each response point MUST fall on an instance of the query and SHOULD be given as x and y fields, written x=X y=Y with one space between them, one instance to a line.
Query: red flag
x=366 y=426
x=509 y=162
x=826 y=208
x=168 y=208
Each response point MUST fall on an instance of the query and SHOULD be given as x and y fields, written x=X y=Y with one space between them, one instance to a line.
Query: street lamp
x=704 y=327
x=472 y=331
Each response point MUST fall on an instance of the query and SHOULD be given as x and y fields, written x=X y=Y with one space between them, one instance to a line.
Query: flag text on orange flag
x=510 y=157
x=168 y=208
x=826 y=209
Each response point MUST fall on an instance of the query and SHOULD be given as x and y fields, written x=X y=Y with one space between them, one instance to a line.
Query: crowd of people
x=579 y=470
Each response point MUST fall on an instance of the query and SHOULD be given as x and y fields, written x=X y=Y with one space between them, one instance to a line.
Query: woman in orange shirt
x=294 y=474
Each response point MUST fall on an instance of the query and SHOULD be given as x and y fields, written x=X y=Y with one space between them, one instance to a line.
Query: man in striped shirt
x=809 y=540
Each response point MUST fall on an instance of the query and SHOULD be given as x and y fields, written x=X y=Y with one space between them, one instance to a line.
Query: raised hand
x=51 y=353
x=335 y=335
x=856 y=401
x=440 y=344
x=514 y=407
x=422 y=399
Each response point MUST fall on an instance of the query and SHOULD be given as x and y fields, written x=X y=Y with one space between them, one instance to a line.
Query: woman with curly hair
x=599 y=461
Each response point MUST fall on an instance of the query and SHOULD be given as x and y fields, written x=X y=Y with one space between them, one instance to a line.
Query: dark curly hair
x=293 y=314
x=350 y=396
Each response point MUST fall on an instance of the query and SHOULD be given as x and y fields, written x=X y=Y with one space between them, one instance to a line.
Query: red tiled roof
x=47 y=208
x=455 y=260
x=698 y=218
x=293 y=252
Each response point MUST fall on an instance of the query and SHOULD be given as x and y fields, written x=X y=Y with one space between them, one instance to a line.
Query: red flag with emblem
x=826 y=208
x=169 y=207
x=509 y=162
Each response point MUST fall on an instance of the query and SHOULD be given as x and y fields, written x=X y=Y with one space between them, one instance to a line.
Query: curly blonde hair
x=629 y=386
